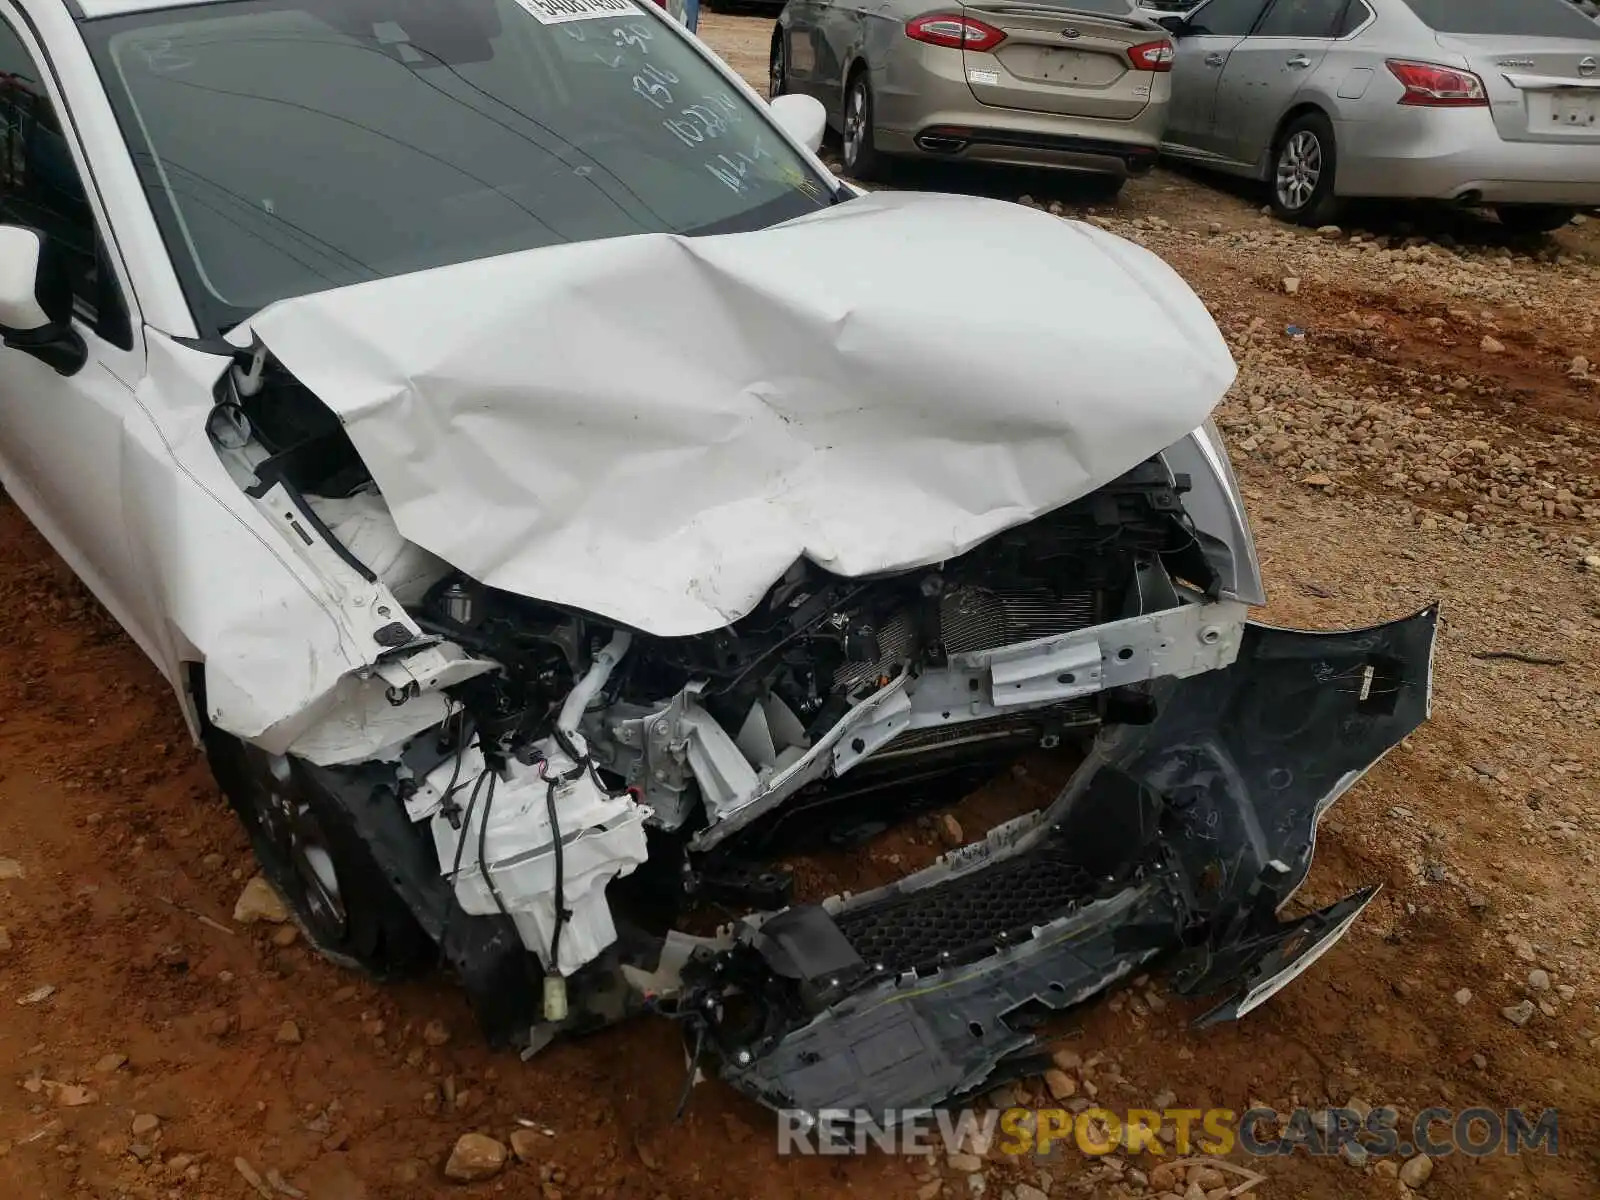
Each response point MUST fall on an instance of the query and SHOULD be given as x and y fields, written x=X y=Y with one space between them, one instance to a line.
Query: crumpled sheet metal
x=654 y=428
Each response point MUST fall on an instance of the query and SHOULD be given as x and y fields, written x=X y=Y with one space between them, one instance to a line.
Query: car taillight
x=1429 y=85
x=1152 y=56
x=960 y=33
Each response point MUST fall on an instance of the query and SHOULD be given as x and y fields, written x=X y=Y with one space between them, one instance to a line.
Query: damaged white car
x=558 y=503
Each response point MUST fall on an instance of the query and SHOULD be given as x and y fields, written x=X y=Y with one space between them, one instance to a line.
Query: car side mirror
x=802 y=117
x=36 y=300
x=1174 y=23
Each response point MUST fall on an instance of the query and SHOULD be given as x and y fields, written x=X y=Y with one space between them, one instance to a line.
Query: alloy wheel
x=1299 y=169
x=855 y=122
x=775 y=72
x=292 y=826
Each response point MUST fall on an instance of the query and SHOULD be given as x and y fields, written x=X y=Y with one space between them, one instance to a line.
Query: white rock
x=475 y=1156
x=259 y=902
x=1519 y=1014
x=1539 y=980
x=1060 y=1084
x=1416 y=1171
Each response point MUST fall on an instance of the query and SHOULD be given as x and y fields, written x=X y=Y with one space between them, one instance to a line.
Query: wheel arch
x=1297 y=110
x=778 y=44
x=191 y=692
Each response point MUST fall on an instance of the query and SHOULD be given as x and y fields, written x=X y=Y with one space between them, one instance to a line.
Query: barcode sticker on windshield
x=559 y=12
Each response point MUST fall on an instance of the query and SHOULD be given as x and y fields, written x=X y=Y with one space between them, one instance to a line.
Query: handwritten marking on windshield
x=162 y=57
x=702 y=125
x=651 y=83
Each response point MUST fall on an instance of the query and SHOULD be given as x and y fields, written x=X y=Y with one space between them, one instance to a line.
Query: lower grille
x=969 y=915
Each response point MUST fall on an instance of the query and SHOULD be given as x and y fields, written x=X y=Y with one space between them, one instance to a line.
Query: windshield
x=288 y=150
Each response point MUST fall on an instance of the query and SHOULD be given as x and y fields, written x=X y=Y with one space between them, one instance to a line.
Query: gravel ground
x=1415 y=418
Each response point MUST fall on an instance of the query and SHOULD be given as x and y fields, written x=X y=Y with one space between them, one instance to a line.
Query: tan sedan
x=1081 y=85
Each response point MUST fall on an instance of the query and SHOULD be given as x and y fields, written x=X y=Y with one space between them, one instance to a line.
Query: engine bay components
x=536 y=842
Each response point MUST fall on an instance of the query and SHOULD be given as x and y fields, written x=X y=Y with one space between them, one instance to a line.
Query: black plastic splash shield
x=1207 y=816
x=911 y=1044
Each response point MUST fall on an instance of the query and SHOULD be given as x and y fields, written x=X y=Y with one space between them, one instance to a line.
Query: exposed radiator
x=976 y=618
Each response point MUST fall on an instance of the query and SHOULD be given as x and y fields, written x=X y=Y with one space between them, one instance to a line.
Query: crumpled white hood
x=654 y=428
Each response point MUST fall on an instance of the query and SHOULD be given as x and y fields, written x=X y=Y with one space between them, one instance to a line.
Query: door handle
x=1214 y=59
x=1299 y=62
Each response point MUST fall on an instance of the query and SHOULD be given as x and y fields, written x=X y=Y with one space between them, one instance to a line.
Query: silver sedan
x=1493 y=102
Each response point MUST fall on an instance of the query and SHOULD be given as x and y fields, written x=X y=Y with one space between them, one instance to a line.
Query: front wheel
x=312 y=855
x=1534 y=218
x=1303 y=169
x=861 y=158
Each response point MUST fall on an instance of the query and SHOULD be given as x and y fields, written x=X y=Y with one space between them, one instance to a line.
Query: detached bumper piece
x=1179 y=841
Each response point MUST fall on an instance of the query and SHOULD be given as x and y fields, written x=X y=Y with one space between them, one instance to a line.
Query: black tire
x=1304 y=162
x=858 y=155
x=308 y=850
x=777 y=68
x=1534 y=218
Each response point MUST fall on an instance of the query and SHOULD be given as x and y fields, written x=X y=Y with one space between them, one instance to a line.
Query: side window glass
x=40 y=186
x=1357 y=15
x=1302 y=19
x=1226 y=18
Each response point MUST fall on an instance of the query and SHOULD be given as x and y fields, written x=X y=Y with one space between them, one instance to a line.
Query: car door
x=61 y=436
x=1266 y=70
x=840 y=38
x=798 y=26
x=1204 y=42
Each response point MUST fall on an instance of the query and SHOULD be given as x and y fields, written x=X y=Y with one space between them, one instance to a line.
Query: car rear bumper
x=1022 y=148
x=918 y=95
x=1181 y=840
x=1458 y=155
